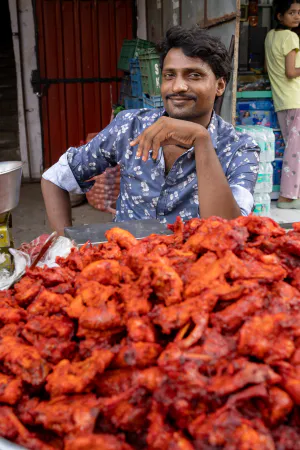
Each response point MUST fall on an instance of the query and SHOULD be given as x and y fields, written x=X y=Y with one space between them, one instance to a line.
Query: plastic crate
x=133 y=103
x=136 y=78
x=154 y=101
x=254 y=94
x=125 y=90
x=131 y=49
x=150 y=70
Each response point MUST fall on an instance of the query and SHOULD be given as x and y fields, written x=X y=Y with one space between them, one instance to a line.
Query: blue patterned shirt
x=146 y=191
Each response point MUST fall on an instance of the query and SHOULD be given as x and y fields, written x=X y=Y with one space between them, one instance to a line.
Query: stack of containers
x=277 y=163
x=265 y=138
x=129 y=62
x=151 y=78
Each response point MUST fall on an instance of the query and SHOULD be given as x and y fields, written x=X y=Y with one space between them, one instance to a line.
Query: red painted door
x=79 y=42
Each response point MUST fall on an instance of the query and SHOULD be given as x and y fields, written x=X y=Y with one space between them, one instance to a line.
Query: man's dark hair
x=198 y=43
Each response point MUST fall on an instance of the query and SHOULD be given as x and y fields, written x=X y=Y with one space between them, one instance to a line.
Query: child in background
x=283 y=64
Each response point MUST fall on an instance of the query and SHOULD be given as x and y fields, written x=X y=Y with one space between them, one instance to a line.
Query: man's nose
x=179 y=85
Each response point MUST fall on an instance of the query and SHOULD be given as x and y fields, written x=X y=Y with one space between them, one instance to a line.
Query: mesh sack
x=104 y=193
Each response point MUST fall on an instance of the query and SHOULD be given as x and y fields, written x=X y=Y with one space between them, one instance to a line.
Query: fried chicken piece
x=137 y=354
x=26 y=290
x=115 y=382
x=232 y=317
x=140 y=329
x=90 y=294
x=128 y=414
x=68 y=415
x=51 y=337
x=51 y=276
x=105 y=271
x=181 y=260
x=266 y=272
x=63 y=288
x=11 y=329
x=10 y=389
x=150 y=379
x=77 y=377
x=276 y=407
x=96 y=442
x=210 y=272
x=262 y=226
x=135 y=301
x=269 y=337
x=9 y=314
x=282 y=297
x=79 y=258
x=162 y=436
x=296 y=278
x=11 y=428
x=286 y=438
x=193 y=310
x=226 y=428
x=290 y=380
x=121 y=237
x=23 y=360
x=219 y=239
x=245 y=437
x=60 y=327
x=110 y=250
x=239 y=374
x=48 y=303
x=163 y=279
x=105 y=317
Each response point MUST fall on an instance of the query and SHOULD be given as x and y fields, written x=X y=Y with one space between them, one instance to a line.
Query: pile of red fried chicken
x=174 y=342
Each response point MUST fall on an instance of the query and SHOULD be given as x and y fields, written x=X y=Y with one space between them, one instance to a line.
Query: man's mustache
x=181 y=96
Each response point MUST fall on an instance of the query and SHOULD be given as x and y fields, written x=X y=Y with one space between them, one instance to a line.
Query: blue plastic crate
x=136 y=78
x=154 y=101
x=277 y=169
x=133 y=103
x=137 y=103
x=125 y=90
x=128 y=103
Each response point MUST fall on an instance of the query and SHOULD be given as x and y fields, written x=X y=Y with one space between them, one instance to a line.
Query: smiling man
x=182 y=160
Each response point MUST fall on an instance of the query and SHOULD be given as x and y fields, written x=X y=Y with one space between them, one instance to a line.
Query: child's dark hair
x=198 y=43
x=281 y=7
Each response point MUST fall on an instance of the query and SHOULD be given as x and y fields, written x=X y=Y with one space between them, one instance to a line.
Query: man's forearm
x=215 y=196
x=58 y=206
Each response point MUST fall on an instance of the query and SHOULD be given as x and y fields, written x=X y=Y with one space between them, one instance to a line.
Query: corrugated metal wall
x=219 y=16
x=78 y=39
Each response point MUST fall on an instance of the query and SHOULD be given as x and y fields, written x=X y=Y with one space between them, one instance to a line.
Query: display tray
x=95 y=233
x=6 y=445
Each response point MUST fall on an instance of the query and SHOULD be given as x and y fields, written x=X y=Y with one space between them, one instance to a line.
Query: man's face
x=189 y=87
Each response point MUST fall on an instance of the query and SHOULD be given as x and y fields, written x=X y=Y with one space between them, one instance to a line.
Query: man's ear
x=221 y=85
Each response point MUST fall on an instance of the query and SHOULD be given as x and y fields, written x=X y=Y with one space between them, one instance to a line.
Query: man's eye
x=168 y=76
x=195 y=75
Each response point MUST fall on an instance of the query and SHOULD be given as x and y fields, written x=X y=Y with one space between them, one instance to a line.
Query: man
x=182 y=161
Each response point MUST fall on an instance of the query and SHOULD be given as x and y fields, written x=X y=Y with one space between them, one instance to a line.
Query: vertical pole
x=236 y=60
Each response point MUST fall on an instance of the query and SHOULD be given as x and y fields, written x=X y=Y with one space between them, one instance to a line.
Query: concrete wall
x=22 y=21
x=141 y=19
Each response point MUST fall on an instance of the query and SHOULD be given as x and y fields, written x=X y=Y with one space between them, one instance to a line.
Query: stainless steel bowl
x=10 y=183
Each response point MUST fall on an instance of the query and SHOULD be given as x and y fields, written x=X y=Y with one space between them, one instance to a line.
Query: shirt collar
x=213 y=129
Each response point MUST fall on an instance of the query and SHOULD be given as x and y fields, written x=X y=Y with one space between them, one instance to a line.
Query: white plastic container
x=262 y=205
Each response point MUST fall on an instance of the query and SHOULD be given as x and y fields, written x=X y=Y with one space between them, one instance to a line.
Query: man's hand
x=167 y=131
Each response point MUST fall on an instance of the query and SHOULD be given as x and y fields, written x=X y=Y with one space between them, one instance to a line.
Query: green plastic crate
x=131 y=49
x=151 y=73
x=254 y=94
